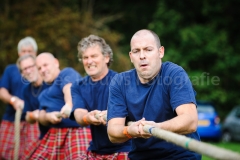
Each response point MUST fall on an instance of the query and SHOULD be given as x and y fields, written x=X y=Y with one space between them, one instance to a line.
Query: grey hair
x=20 y=59
x=27 y=41
x=93 y=40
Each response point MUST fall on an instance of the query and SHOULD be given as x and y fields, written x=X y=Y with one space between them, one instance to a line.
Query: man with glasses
x=27 y=66
x=11 y=92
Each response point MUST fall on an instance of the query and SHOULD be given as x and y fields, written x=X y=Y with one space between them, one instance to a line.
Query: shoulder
x=112 y=72
x=11 y=67
x=124 y=77
x=83 y=81
x=169 y=68
x=70 y=71
x=127 y=73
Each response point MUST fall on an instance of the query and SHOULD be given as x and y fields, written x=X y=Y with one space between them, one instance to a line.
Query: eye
x=94 y=56
x=135 y=51
x=149 y=49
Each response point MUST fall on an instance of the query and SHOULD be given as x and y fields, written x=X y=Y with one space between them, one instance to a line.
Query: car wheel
x=226 y=137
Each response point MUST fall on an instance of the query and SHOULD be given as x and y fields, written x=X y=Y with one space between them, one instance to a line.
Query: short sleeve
x=181 y=89
x=77 y=99
x=116 y=101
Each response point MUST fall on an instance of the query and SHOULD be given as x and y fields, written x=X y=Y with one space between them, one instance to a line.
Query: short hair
x=156 y=37
x=26 y=42
x=92 y=40
x=20 y=59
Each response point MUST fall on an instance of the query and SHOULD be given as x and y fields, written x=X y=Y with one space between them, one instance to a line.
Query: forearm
x=67 y=94
x=43 y=118
x=115 y=133
x=79 y=114
x=29 y=119
x=5 y=96
x=182 y=124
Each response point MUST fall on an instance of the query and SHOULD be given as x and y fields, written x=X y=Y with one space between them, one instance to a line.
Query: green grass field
x=230 y=146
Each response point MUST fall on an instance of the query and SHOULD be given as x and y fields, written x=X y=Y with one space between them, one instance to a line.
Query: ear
x=130 y=55
x=107 y=59
x=161 y=52
x=56 y=62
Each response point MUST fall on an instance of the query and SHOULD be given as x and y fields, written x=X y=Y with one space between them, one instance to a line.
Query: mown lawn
x=230 y=146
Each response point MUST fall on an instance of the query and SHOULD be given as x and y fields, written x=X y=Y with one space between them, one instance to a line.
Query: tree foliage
x=201 y=36
x=198 y=35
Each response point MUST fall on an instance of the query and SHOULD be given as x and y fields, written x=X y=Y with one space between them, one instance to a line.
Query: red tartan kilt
x=94 y=156
x=30 y=150
x=63 y=143
x=29 y=134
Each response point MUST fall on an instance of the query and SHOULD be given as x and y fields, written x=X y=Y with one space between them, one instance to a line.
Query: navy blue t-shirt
x=14 y=83
x=52 y=98
x=91 y=95
x=31 y=103
x=155 y=101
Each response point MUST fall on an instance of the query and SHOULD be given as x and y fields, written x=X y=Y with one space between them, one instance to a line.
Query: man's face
x=27 y=50
x=94 y=62
x=146 y=56
x=29 y=70
x=48 y=67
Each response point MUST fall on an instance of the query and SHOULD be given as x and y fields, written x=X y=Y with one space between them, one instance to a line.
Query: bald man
x=65 y=139
x=154 y=93
x=11 y=93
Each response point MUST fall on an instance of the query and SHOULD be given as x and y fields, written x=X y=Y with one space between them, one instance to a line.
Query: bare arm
x=78 y=114
x=116 y=127
x=42 y=118
x=84 y=118
x=5 y=96
x=49 y=118
x=67 y=108
x=32 y=117
x=185 y=122
x=115 y=130
x=67 y=94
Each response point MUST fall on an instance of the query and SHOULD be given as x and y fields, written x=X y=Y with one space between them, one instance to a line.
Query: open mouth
x=143 y=65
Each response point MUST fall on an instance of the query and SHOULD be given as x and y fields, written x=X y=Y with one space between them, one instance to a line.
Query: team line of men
x=59 y=117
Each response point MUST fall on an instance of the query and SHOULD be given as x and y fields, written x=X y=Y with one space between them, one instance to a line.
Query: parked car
x=231 y=126
x=209 y=127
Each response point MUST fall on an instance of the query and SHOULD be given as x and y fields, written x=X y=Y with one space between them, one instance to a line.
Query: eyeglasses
x=29 y=67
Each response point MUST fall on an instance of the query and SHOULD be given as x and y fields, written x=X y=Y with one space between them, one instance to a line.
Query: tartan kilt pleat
x=29 y=134
x=88 y=155
x=63 y=143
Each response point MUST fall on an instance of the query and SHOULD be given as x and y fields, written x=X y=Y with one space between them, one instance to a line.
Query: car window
x=205 y=108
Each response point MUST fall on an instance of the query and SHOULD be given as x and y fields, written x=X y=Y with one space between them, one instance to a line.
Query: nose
x=28 y=70
x=41 y=70
x=142 y=54
x=89 y=60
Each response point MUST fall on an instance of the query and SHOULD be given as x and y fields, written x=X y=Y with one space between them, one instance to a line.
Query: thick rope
x=17 y=132
x=189 y=143
x=192 y=144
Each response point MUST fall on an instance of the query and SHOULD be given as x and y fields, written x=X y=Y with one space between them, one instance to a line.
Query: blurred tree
x=57 y=26
x=201 y=37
